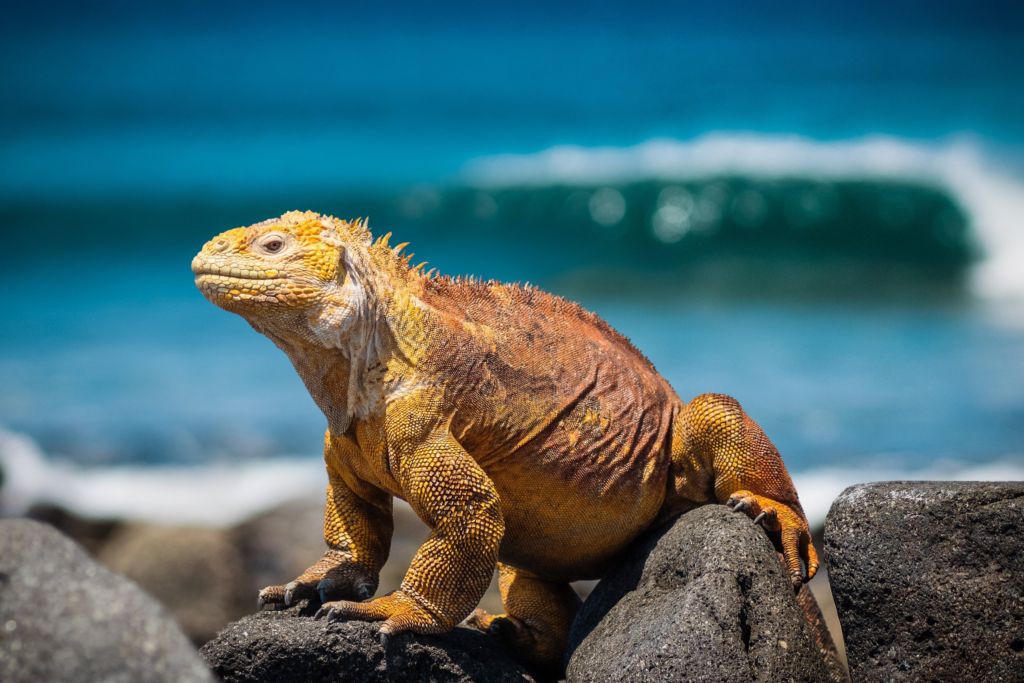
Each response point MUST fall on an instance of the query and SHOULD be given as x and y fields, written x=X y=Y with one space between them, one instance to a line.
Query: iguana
x=527 y=434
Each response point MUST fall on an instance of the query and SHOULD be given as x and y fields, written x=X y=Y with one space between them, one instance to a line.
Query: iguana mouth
x=233 y=273
x=239 y=284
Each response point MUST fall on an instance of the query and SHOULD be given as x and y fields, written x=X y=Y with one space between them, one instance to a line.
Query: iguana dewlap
x=523 y=430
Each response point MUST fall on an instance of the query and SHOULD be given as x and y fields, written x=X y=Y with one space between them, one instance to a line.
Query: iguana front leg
x=357 y=528
x=452 y=569
x=720 y=447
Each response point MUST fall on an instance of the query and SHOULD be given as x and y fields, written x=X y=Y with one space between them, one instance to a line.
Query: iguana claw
x=322 y=588
x=364 y=589
x=267 y=597
x=289 y=592
x=786 y=526
x=737 y=504
x=383 y=640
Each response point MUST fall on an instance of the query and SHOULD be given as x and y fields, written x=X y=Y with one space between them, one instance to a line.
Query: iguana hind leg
x=538 y=616
x=720 y=455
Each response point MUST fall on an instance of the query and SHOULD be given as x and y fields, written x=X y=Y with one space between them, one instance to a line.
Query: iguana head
x=302 y=273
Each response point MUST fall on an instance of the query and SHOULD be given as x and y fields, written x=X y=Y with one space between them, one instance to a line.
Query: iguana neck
x=353 y=361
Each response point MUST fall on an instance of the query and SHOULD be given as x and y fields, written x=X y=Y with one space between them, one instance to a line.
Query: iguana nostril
x=220 y=245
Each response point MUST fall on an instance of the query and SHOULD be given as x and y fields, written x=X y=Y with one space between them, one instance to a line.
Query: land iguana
x=527 y=434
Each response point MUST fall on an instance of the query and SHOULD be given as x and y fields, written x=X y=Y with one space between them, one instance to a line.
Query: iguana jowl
x=523 y=430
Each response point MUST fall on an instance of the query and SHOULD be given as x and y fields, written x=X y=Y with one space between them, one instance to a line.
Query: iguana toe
x=505 y=626
x=364 y=589
x=738 y=503
x=325 y=611
x=398 y=611
x=787 y=527
x=361 y=589
x=271 y=595
x=495 y=624
x=287 y=595
x=324 y=588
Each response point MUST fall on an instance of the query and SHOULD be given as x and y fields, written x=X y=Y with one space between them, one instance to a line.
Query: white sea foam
x=992 y=199
x=215 y=495
x=221 y=495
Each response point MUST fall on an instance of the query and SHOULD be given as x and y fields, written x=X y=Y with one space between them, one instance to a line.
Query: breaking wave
x=214 y=495
x=876 y=195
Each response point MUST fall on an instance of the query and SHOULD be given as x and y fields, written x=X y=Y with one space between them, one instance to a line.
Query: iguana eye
x=272 y=244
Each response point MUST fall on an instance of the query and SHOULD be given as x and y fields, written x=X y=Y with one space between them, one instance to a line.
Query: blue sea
x=817 y=210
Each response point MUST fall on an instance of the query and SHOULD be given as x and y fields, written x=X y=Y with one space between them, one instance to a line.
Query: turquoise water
x=852 y=311
x=137 y=367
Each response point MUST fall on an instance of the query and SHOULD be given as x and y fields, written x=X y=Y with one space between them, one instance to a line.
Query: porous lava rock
x=703 y=598
x=63 y=617
x=929 y=580
x=288 y=646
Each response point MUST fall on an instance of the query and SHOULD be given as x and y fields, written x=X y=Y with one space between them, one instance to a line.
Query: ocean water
x=817 y=210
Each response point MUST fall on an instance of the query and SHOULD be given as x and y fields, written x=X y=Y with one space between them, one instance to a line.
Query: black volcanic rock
x=929 y=580
x=703 y=598
x=65 y=618
x=288 y=646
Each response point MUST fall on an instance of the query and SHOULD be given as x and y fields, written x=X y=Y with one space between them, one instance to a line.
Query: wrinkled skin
x=525 y=432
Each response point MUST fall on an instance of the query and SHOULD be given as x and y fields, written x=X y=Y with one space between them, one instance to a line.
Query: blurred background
x=816 y=209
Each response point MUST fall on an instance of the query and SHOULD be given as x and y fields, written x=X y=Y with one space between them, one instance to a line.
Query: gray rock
x=65 y=618
x=701 y=599
x=289 y=646
x=197 y=573
x=929 y=580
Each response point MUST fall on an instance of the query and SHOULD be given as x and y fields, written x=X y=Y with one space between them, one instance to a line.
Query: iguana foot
x=536 y=628
x=535 y=647
x=334 y=576
x=785 y=527
x=500 y=625
x=399 y=612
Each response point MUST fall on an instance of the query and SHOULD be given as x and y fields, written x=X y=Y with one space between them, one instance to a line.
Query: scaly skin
x=519 y=427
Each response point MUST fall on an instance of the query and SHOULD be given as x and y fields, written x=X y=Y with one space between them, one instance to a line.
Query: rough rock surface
x=701 y=599
x=65 y=618
x=929 y=580
x=288 y=645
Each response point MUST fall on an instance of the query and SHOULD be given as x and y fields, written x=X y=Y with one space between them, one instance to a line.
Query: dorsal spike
x=400 y=247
